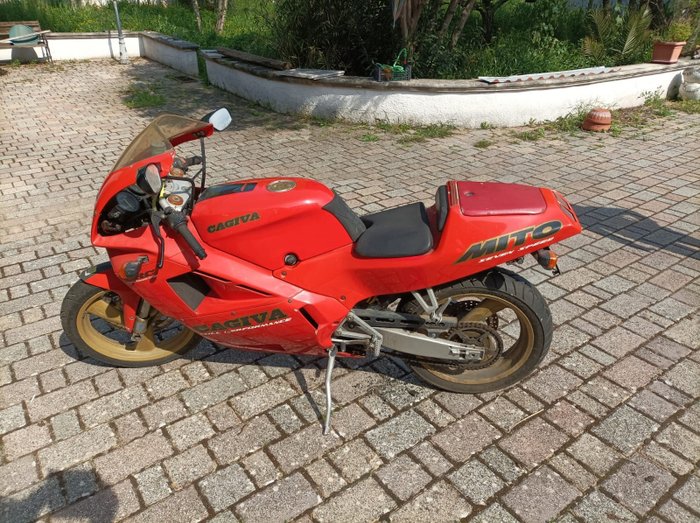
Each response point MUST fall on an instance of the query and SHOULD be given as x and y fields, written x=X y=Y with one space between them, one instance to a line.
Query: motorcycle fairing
x=297 y=308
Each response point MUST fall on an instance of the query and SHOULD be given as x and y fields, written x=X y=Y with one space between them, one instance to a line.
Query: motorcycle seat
x=395 y=233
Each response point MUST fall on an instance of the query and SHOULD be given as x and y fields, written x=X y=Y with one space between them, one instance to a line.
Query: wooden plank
x=254 y=59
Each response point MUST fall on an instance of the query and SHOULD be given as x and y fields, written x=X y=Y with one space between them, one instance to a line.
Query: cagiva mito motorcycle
x=284 y=264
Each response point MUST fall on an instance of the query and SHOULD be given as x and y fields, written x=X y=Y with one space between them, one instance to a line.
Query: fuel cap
x=281 y=185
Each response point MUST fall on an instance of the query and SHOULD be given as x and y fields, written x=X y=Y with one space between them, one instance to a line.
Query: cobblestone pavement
x=608 y=429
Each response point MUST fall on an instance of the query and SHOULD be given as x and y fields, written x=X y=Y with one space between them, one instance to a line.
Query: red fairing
x=281 y=271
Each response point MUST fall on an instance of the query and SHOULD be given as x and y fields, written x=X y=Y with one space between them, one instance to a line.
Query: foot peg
x=329 y=399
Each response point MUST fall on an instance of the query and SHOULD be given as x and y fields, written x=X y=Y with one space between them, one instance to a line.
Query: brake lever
x=156 y=218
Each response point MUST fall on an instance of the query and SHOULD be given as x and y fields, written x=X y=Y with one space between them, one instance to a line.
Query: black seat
x=395 y=233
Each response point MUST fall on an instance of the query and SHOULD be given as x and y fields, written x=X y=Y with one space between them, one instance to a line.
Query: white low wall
x=178 y=54
x=503 y=105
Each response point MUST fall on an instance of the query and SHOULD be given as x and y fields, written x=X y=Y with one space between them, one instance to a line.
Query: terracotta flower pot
x=597 y=120
x=666 y=52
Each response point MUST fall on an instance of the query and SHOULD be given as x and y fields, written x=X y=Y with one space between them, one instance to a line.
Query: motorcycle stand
x=329 y=399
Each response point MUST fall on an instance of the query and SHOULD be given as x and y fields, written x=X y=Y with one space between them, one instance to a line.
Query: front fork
x=103 y=277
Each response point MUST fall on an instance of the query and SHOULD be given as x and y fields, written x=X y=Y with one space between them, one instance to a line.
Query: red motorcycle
x=283 y=264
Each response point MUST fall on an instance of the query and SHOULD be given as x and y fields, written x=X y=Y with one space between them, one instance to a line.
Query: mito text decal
x=245 y=218
x=510 y=241
x=254 y=321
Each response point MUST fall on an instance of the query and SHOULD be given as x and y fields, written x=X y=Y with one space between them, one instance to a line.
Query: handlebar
x=178 y=222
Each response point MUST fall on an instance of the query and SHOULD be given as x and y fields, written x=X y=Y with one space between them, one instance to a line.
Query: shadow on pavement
x=630 y=227
x=48 y=497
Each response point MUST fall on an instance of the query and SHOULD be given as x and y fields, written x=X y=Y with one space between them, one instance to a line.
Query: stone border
x=465 y=103
x=178 y=54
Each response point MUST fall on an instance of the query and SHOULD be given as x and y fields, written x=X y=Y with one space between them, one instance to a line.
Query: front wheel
x=92 y=319
x=502 y=313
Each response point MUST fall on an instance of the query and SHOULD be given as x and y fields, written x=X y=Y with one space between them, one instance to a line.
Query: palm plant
x=618 y=37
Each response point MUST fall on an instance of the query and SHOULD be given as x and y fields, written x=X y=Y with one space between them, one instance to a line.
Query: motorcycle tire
x=500 y=298
x=92 y=320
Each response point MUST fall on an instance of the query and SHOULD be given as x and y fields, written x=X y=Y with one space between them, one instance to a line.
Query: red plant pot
x=598 y=120
x=666 y=52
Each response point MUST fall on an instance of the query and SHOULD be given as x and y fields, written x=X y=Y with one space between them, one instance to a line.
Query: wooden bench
x=39 y=39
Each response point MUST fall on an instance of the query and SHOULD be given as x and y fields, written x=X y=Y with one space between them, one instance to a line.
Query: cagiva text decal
x=501 y=243
x=233 y=222
x=254 y=321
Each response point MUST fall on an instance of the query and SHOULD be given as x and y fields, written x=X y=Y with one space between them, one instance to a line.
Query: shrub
x=619 y=37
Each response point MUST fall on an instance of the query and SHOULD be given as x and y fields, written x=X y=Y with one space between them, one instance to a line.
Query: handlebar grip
x=178 y=221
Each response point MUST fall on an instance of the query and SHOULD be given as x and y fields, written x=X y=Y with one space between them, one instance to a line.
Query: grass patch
x=483 y=144
x=531 y=135
x=369 y=137
x=435 y=131
x=139 y=96
x=687 y=106
x=485 y=125
x=394 y=128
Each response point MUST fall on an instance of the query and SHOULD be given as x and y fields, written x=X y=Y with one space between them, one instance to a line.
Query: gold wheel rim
x=149 y=348
x=512 y=359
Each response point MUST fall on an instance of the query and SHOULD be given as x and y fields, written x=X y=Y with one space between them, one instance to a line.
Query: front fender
x=102 y=276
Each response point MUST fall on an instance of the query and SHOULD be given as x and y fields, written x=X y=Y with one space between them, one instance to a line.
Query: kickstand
x=329 y=399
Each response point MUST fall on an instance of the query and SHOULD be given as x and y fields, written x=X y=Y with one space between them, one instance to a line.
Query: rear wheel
x=500 y=312
x=92 y=319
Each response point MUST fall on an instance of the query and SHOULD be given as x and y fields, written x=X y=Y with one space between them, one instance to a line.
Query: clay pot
x=666 y=52
x=598 y=120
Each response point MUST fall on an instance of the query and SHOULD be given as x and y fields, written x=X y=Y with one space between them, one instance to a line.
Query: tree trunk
x=197 y=14
x=221 y=11
x=462 y=22
x=448 y=19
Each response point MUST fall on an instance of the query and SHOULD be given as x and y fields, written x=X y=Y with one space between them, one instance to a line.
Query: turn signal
x=547 y=258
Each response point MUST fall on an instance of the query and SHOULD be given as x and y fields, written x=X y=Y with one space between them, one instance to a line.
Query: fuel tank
x=269 y=221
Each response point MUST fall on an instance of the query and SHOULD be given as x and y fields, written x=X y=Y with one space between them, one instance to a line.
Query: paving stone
x=110 y=504
x=666 y=459
x=503 y=413
x=77 y=449
x=441 y=502
x=354 y=459
x=625 y=429
x=80 y=481
x=403 y=477
x=494 y=513
x=166 y=384
x=286 y=419
x=431 y=458
x=593 y=453
x=213 y=391
x=11 y=418
x=222 y=416
x=639 y=484
x=435 y=414
x=689 y=493
x=405 y=392
x=631 y=372
x=129 y=428
x=399 y=433
x=225 y=487
x=672 y=511
x=189 y=431
x=355 y=384
x=260 y=399
x=163 y=412
x=181 y=506
x=618 y=341
x=524 y=400
x=605 y=391
x=65 y=425
x=282 y=501
x=572 y=471
x=580 y=365
x=108 y=382
x=459 y=405
x=533 y=442
x=476 y=482
x=456 y=446
x=33 y=502
x=364 y=501
x=152 y=484
x=131 y=458
x=653 y=406
x=681 y=440
x=17 y=475
x=501 y=463
x=242 y=440
x=52 y=403
x=325 y=477
x=377 y=407
x=684 y=377
x=541 y=496
x=596 y=506
x=568 y=418
x=351 y=421
x=686 y=332
x=26 y=440
x=189 y=466
x=260 y=469
x=552 y=383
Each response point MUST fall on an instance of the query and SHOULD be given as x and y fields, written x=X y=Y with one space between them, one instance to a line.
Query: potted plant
x=668 y=50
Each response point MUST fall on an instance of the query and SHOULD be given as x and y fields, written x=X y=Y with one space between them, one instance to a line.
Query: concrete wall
x=178 y=54
x=498 y=105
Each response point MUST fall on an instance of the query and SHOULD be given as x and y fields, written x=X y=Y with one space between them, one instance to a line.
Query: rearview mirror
x=220 y=119
x=148 y=179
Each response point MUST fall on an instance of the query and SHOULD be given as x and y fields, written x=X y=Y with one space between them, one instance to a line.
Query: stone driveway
x=608 y=429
